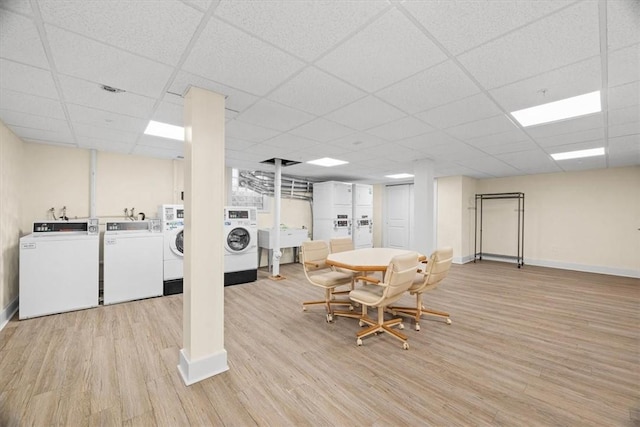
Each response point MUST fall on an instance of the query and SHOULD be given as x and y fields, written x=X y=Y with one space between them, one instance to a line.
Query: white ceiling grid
x=380 y=83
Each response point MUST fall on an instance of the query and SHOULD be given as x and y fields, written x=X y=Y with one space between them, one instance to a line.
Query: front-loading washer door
x=177 y=243
x=238 y=240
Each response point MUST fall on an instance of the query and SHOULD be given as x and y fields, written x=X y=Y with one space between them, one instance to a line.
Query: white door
x=398 y=214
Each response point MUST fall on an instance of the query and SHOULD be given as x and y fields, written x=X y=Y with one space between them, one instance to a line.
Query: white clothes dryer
x=240 y=244
x=59 y=265
x=172 y=220
x=133 y=261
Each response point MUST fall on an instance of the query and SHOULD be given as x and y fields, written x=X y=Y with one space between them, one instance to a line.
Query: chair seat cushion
x=331 y=279
x=418 y=282
x=367 y=294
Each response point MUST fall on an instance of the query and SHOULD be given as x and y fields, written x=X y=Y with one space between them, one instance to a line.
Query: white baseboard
x=599 y=269
x=193 y=371
x=7 y=313
x=462 y=260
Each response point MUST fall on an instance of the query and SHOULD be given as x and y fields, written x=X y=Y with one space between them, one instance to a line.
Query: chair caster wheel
x=395 y=313
x=304 y=308
x=329 y=318
x=350 y=308
x=361 y=323
x=417 y=326
x=400 y=325
x=359 y=342
x=448 y=321
x=405 y=346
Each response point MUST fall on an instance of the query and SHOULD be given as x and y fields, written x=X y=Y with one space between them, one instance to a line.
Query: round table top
x=366 y=259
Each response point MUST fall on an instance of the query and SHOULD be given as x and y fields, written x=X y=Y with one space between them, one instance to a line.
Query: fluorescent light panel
x=579 y=154
x=559 y=110
x=399 y=176
x=165 y=130
x=327 y=162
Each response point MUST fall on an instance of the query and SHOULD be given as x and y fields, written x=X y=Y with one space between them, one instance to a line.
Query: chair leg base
x=417 y=314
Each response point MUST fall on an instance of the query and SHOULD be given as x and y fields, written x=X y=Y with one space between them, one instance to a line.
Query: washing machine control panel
x=172 y=225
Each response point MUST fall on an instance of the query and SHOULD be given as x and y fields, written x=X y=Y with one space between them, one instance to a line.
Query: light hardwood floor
x=527 y=347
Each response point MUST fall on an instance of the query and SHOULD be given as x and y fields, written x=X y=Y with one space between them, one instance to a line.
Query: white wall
x=11 y=155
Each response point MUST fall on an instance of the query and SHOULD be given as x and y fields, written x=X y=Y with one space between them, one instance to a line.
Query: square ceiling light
x=592 y=152
x=327 y=162
x=559 y=110
x=400 y=176
x=165 y=130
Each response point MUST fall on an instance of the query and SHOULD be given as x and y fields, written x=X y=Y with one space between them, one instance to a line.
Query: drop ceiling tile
x=291 y=142
x=303 y=28
x=512 y=147
x=531 y=162
x=406 y=127
x=247 y=155
x=587 y=163
x=623 y=22
x=631 y=128
x=617 y=160
x=88 y=130
x=453 y=152
x=624 y=65
x=158 y=30
x=509 y=137
x=489 y=165
x=592 y=121
x=481 y=21
x=200 y=4
x=359 y=142
x=444 y=169
x=89 y=60
x=628 y=144
x=394 y=152
x=19 y=6
x=318 y=151
x=90 y=94
x=237 y=144
x=386 y=51
x=45 y=136
x=322 y=130
x=431 y=88
x=24 y=103
x=266 y=151
x=274 y=116
x=235 y=99
x=365 y=114
x=27 y=79
x=570 y=138
x=105 y=119
x=537 y=47
x=624 y=95
x=20 y=41
x=423 y=143
x=489 y=126
x=469 y=109
x=26 y=120
x=168 y=112
x=104 y=145
x=161 y=153
x=316 y=92
x=621 y=116
x=249 y=132
x=572 y=80
x=223 y=53
x=157 y=142
x=586 y=145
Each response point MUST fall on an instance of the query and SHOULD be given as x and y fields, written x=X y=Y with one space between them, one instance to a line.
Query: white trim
x=599 y=269
x=197 y=370
x=8 y=312
x=462 y=260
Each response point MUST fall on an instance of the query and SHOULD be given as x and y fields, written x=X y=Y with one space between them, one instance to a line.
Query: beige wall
x=378 y=206
x=449 y=208
x=11 y=155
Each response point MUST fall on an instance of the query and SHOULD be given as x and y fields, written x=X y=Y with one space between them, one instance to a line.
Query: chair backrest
x=314 y=255
x=341 y=244
x=438 y=266
x=399 y=275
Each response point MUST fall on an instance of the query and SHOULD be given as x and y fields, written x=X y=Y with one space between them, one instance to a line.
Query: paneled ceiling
x=379 y=84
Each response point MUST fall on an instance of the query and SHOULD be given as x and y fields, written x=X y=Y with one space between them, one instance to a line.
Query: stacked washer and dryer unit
x=172 y=222
x=241 y=245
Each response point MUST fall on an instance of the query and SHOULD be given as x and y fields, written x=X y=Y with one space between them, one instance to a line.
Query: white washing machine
x=133 y=261
x=59 y=267
x=172 y=220
x=240 y=244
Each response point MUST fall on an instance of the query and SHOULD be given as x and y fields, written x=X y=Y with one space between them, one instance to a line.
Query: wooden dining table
x=367 y=259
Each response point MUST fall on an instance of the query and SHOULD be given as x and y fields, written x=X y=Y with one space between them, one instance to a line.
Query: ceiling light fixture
x=592 y=152
x=165 y=130
x=400 y=176
x=327 y=162
x=559 y=110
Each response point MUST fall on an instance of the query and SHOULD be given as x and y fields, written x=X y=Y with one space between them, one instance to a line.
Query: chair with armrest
x=376 y=293
x=341 y=244
x=318 y=273
x=427 y=279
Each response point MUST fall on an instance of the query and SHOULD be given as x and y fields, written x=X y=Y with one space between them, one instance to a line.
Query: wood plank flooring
x=528 y=347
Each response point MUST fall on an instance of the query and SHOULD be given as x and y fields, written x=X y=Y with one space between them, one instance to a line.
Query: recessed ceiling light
x=400 y=176
x=579 y=154
x=559 y=110
x=327 y=162
x=165 y=130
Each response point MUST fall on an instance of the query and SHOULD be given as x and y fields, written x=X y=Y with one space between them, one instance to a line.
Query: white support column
x=203 y=354
x=277 y=183
x=92 y=184
x=424 y=207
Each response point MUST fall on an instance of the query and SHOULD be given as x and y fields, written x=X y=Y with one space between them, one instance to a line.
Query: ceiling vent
x=112 y=89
